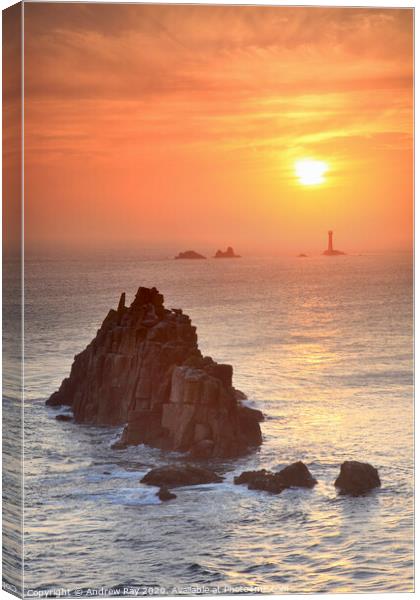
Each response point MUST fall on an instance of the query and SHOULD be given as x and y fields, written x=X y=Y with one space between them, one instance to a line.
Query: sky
x=179 y=127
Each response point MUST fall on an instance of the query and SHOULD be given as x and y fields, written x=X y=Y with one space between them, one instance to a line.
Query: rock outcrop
x=180 y=475
x=189 y=255
x=294 y=475
x=164 y=494
x=297 y=475
x=144 y=369
x=356 y=478
x=228 y=254
x=65 y=418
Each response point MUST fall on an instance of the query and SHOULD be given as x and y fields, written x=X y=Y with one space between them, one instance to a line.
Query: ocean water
x=322 y=345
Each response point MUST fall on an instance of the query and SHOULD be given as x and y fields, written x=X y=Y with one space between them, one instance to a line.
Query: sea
x=322 y=345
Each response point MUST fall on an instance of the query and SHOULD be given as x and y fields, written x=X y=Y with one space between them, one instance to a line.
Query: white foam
x=134 y=496
x=114 y=474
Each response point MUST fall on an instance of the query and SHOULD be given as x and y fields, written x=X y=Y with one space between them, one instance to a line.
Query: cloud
x=123 y=51
x=101 y=79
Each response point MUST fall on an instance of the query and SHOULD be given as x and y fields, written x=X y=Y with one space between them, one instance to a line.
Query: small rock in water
x=164 y=494
x=261 y=480
x=295 y=475
x=356 y=477
x=176 y=476
x=64 y=418
x=248 y=476
x=268 y=482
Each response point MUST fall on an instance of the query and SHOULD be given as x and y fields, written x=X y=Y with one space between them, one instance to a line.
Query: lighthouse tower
x=330 y=250
x=330 y=244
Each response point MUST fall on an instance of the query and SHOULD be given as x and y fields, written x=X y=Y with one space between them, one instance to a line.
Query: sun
x=311 y=172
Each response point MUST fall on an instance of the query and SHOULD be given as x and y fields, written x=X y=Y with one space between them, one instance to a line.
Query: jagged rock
x=63 y=396
x=64 y=418
x=229 y=253
x=164 y=494
x=189 y=254
x=294 y=475
x=144 y=370
x=356 y=477
x=252 y=413
x=121 y=304
x=176 y=476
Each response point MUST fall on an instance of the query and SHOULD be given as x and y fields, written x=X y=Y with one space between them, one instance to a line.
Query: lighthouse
x=330 y=250
x=330 y=246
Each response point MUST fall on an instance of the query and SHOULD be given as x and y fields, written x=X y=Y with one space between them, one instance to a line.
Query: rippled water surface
x=322 y=345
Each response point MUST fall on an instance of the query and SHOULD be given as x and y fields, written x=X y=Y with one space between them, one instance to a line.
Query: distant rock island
x=144 y=369
x=330 y=250
x=302 y=255
x=228 y=254
x=189 y=254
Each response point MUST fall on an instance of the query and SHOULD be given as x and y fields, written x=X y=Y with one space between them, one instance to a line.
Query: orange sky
x=178 y=126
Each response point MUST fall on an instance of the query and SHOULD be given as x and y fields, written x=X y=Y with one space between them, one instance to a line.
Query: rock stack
x=144 y=369
x=189 y=255
x=357 y=478
x=229 y=253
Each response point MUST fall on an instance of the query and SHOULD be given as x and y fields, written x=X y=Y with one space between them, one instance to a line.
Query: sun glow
x=311 y=172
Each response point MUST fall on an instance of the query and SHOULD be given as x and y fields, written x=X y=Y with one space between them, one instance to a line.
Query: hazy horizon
x=162 y=251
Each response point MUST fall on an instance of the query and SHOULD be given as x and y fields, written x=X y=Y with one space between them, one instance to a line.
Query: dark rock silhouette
x=228 y=254
x=294 y=475
x=180 y=475
x=330 y=250
x=164 y=494
x=252 y=413
x=144 y=369
x=64 y=418
x=190 y=255
x=302 y=255
x=297 y=475
x=356 y=478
